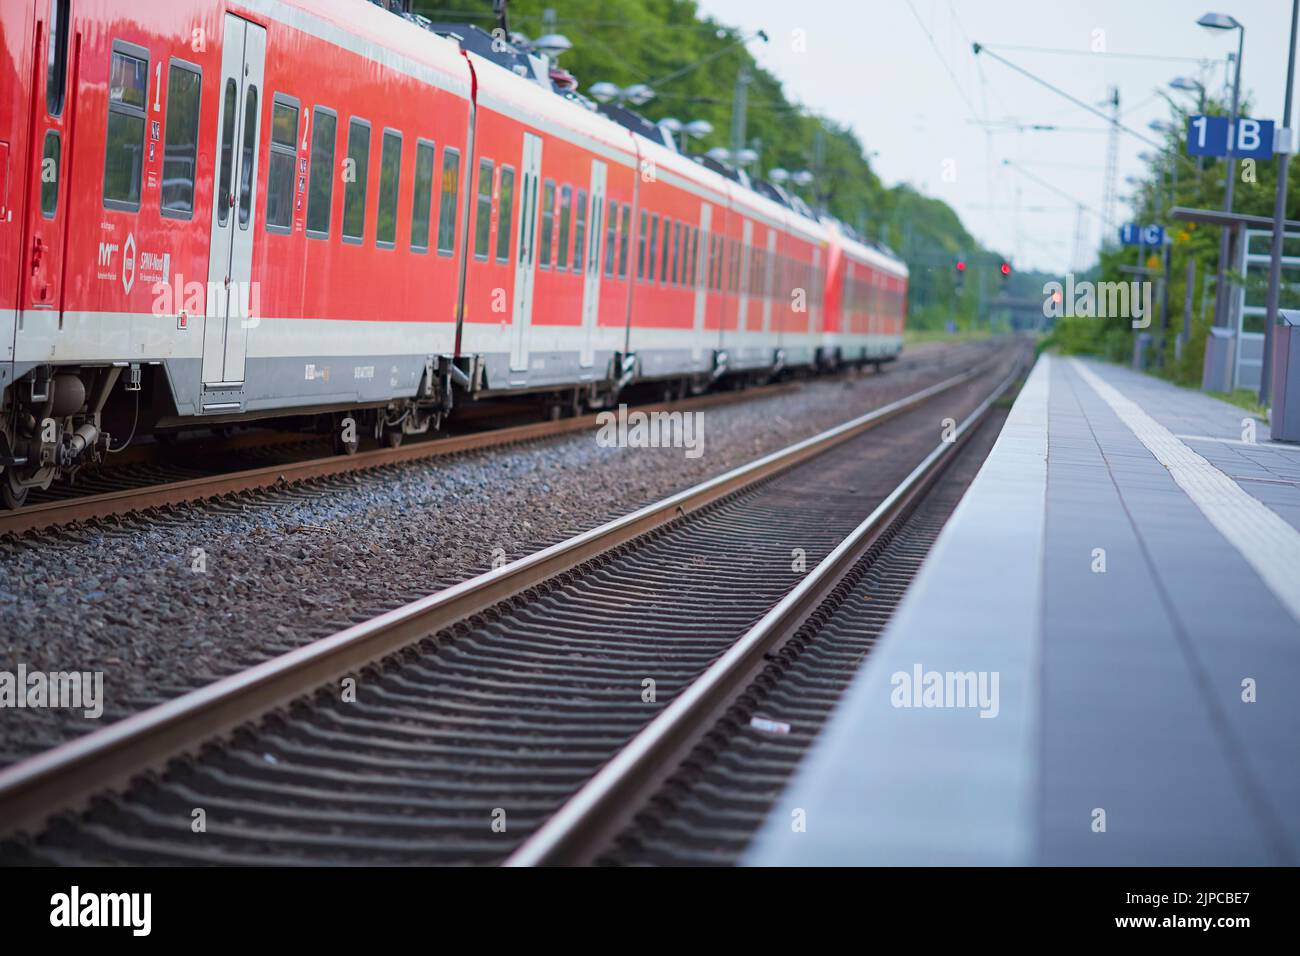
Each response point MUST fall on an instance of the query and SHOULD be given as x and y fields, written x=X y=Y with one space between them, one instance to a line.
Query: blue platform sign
x=1208 y=136
x=1131 y=234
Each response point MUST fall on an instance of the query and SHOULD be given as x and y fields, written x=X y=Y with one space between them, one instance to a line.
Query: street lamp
x=606 y=92
x=698 y=129
x=695 y=129
x=1282 y=426
x=1221 y=21
x=1188 y=85
x=552 y=45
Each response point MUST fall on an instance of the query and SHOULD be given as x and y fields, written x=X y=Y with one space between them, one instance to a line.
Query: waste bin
x=1217 y=374
x=1285 y=420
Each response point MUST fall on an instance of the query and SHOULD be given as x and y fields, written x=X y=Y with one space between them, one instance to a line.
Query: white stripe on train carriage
x=322 y=29
x=129 y=336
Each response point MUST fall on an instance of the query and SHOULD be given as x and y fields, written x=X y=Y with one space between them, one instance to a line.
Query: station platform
x=1099 y=661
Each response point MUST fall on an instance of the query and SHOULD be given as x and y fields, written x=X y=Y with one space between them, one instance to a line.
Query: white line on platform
x=1267 y=446
x=1265 y=540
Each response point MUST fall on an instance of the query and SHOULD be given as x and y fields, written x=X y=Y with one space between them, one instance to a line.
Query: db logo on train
x=128 y=263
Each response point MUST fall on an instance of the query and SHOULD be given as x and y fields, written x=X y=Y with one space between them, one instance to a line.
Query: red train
x=217 y=212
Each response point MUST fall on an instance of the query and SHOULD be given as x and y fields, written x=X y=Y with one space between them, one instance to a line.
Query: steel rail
x=66 y=776
x=598 y=811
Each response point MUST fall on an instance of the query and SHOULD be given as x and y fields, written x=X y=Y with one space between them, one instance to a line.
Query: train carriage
x=319 y=211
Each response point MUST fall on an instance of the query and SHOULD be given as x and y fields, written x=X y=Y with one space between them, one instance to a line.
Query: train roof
x=514 y=80
x=373 y=32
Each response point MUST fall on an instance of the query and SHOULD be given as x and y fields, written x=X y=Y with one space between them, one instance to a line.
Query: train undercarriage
x=59 y=421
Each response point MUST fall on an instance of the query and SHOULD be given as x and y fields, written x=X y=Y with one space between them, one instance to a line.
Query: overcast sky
x=917 y=101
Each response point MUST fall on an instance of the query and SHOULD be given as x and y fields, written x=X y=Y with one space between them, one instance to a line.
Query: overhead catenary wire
x=981 y=48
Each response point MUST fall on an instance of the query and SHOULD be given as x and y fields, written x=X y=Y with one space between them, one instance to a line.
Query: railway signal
x=961 y=272
x=1006 y=272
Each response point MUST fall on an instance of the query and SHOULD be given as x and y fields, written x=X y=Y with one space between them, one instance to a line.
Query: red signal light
x=961 y=266
x=1006 y=268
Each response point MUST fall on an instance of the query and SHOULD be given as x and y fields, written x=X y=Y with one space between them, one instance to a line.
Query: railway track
x=205 y=469
x=149 y=485
x=475 y=714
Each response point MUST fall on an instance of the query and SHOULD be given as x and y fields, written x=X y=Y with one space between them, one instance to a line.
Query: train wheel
x=344 y=434
x=12 y=495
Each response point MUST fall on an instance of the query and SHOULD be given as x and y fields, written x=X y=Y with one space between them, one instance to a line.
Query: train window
x=654 y=245
x=580 y=230
x=548 y=221
x=225 y=198
x=128 y=82
x=640 y=253
x=447 y=201
x=566 y=201
x=692 y=256
x=422 y=196
x=505 y=214
x=57 y=66
x=50 y=174
x=247 y=158
x=611 y=235
x=528 y=220
x=593 y=245
x=390 y=175
x=483 y=218
x=356 y=171
x=283 y=168
x=320 y=186
x=624 y=239
x=181 y=142
x=663 y=259
x=677 y=253
x=686 y=255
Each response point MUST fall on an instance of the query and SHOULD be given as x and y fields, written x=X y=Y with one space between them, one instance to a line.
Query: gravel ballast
x=166 y=602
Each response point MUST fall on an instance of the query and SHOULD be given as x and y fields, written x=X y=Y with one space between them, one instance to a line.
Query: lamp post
x=638 y=94
x=1187 y=85
x=1221 y=21
x=695 y=129
x=1291 y=429
x=552 y=45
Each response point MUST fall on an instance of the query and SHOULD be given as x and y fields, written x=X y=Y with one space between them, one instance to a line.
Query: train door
x=526 y=260
x=591 y=284
x=702 y=260
x=47 y=205
x=234 y=209
x=17 y=26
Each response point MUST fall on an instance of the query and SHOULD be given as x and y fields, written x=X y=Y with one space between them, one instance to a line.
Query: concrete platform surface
x=1099 y=662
